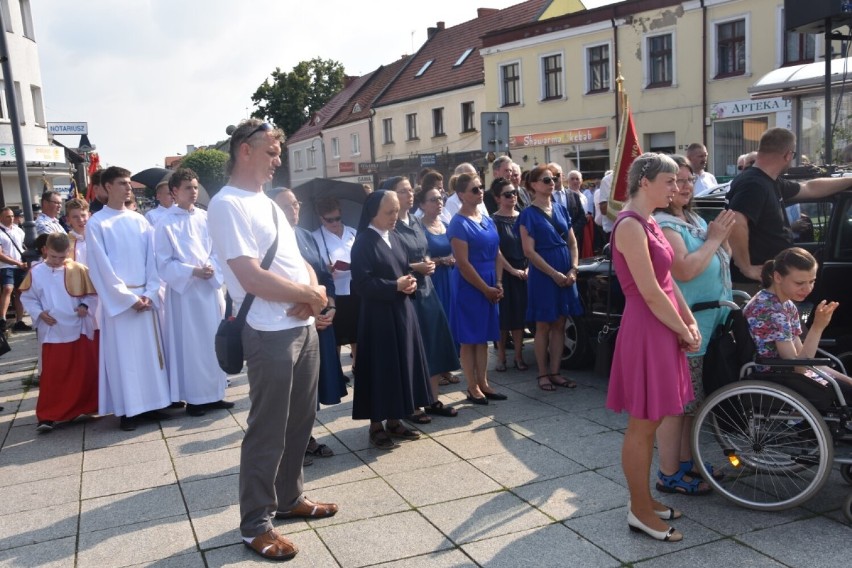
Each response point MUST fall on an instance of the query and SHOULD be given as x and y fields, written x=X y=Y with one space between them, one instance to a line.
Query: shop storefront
x=583 y=149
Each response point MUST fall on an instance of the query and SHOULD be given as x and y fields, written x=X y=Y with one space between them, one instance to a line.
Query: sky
x=153 y=76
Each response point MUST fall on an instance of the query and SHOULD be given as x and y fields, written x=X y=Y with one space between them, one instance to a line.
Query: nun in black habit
x=392 y=376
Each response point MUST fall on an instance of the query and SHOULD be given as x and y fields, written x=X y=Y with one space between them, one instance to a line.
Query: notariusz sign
x=72 y=128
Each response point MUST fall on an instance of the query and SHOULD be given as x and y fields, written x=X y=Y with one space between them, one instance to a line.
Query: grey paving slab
x=352 y=434
x=39 y=494
x=312 y=553
x=220 y=526
x=468 y=420
x=382 y=539
x=608 y=530
x=209 y=464
x=105 y=432
x=182 y=424
x=359 y=500
x=831 y=496
x=324 y=436
x=719 y=553
x=126 y=454
x=575 y=495
x=550 y=545
x=338 y=469
x=812 y=542
x=581 y=399
x=443 y=559
x=518 y=408
x=60 y=554
x=408 y=456
x=597 y=450
x=525 y=464
x=131 y=508
x=205 y=441
x=22 y=529
x=127 y=478
x=605 y=417
x=558 y=430
x=146 y=543
x=211 y=493
x=485 y=442
x=441 y=483
x=189 y=560
x=45 y=468
x=716 y=513
x=483 y=516
x=25 y=445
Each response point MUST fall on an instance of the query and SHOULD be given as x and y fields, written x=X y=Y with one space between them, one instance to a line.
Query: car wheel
x=577 y=349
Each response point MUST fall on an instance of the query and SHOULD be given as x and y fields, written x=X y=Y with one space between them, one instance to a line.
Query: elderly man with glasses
x=48 y=220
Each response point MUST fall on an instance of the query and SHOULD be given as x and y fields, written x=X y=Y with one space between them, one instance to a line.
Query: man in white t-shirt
x=696 y=153
x=12 y=268
x=601 y=201
x=279 y=339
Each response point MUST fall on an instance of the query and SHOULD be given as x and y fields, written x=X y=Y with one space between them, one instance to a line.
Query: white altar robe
x=49 y=293
x=194 y=306
x=133 y=375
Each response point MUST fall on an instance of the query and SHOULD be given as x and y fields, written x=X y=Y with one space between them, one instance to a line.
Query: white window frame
x=38 y=105
x=27 y=19
x=461 y=115
x=387 y=130
x=311 y=155
x=355 y=143
x=19 y=99
x=543 y=82
x=781 y=34
x=714 y=45
x=4 y=111
x=646 y=65
x=587 y=79
x=297 y=160
x=7 y=15
x=520 y=82
x=335 y=147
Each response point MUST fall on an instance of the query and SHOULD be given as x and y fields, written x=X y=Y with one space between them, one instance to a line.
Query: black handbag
x=4 y=343
x=229 y=337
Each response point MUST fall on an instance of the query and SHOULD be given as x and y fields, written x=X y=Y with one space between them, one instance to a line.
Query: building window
x=424 y=68
x=27 y=19
x=799 y=48
x=19 y=100
x=297 y=160
x=463 y=56
x=38 y=105
x=660 y=61
x=312 y=158
x=731 y=138
x=438 y=122
x=335 y=148
x=355 y=140
x=731 y=48
x=552 y=75
x=411 y=126
x=598 y=65
x=7 y=15
x=511 y=81
x=387 y=131
x=468 y=124
x=3 y=115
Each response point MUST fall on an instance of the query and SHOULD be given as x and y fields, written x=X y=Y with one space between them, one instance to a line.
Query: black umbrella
x=350 y=195
x=152 y=177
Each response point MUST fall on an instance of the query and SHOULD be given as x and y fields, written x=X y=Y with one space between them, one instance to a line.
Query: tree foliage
x=210 y=167
x=288 y=100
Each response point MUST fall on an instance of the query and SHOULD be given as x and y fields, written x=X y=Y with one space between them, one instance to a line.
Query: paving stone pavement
x=535 y=480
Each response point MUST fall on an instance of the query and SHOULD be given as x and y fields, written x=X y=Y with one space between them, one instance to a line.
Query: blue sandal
x=688 y=468
x=676 y=484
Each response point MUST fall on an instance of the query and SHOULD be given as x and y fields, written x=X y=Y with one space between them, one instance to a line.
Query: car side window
x=843 y=244
x=811 y=225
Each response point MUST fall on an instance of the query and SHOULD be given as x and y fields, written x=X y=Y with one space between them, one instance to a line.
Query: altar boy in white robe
x=133 y=377
x=194 y=299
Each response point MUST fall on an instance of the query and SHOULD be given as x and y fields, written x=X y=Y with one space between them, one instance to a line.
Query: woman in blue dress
x=477 y=287
x=431 y=203
x=550 y=246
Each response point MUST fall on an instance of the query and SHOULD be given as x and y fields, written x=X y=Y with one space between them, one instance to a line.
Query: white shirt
x=452 y=206
x=704 y=182
x=333 y=248
x=241 y=224
x=48 y=293
x=155 y=214
x=560 y=196
x=589 y=202
x=603 y=197
x=11 y=239
x=79 y=241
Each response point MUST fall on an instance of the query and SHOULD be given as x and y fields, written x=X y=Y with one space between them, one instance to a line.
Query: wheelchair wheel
x=772 y=445
x=846 y=472
x=847 y=508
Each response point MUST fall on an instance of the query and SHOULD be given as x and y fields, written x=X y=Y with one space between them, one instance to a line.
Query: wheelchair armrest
x=828 y=343
x=793 y=362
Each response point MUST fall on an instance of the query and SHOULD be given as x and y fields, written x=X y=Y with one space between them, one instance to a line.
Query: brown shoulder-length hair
x=536 y=174
x=681 y=162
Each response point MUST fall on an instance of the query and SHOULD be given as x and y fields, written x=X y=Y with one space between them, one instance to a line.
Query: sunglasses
x=476 y=190
x=547 y=179
x=512 y=193
x=435 y=200
x=332 y=219
x=263 y=126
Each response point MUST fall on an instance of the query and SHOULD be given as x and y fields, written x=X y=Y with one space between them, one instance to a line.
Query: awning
x=800 y=79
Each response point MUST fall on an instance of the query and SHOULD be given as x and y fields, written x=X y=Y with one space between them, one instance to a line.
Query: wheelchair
x=774 y=433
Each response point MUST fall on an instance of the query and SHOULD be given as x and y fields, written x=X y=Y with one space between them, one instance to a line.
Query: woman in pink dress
x=650 y=376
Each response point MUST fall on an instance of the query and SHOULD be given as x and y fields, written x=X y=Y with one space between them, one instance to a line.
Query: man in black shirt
x=758 y=196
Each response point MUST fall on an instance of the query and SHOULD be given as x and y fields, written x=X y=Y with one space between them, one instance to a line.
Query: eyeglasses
x=512 y=193
x=435 y=200
x=332 y=219
x=683 y=181
x=55 y=202
x=547 y=179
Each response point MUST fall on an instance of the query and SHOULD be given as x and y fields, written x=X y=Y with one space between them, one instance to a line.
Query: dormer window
x=424 y=68
x=356 y=108
x=463 y=56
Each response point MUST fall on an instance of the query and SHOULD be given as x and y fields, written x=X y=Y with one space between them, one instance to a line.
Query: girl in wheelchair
x=773 y=319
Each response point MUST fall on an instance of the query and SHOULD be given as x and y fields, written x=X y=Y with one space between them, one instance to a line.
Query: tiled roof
x=318 y=121
x=365 y=98
x=445 y=48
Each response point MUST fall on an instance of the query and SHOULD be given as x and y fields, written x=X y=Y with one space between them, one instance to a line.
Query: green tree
x=210 y=167
x=288 y=100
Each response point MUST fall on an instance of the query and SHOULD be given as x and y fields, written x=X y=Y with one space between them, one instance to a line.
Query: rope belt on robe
x=156 y=332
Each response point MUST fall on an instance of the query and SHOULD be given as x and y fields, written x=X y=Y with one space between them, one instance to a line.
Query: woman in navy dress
x=392 y=376
x=550 y=246
x=441 y=354
x=474 y=317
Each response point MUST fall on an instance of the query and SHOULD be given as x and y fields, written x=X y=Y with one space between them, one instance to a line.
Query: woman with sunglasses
x=437 y=340
x=335 y=241
x=477 y=287
x=551 y=249
x=513 y=305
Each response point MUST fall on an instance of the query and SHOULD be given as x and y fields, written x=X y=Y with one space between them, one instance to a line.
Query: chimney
x=480 y=12
x=430 y=32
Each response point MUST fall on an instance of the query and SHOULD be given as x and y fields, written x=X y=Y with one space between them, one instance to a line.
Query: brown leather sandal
x=272 y=546
x=307 y=509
